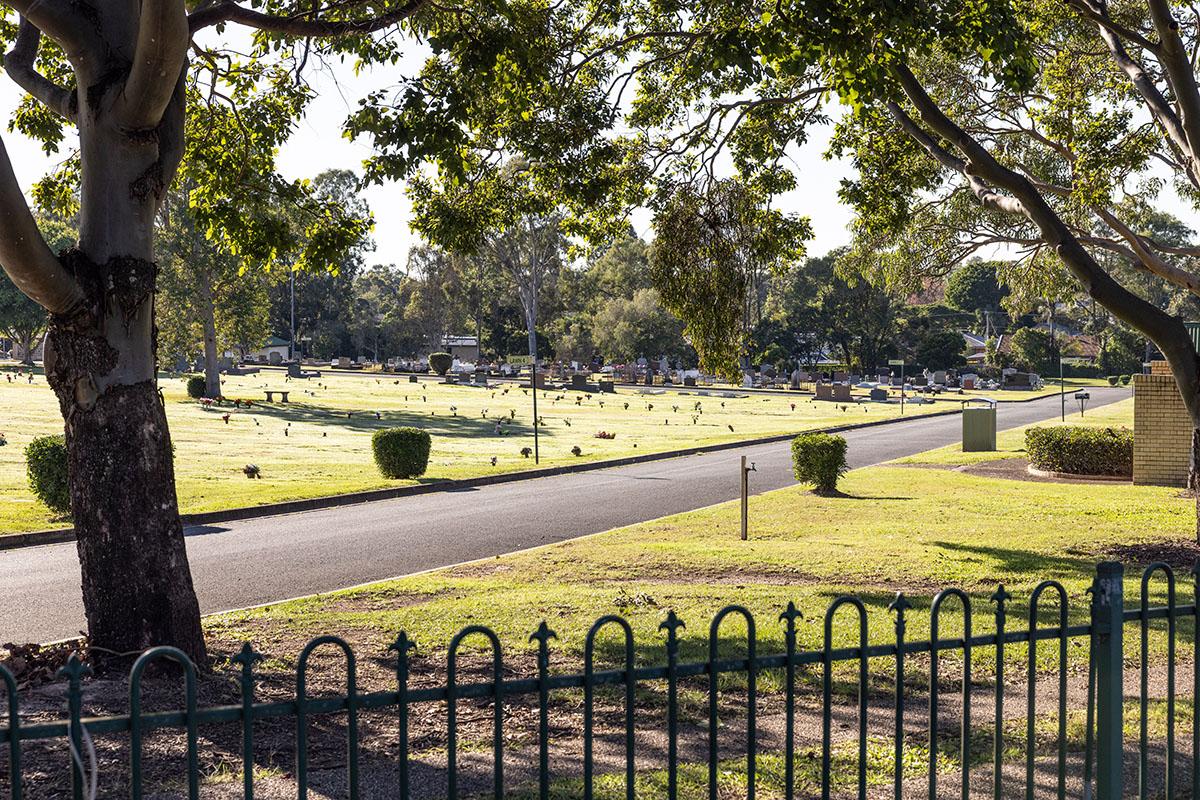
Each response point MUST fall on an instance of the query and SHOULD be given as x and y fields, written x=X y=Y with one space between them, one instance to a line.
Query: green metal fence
x=1104 y=750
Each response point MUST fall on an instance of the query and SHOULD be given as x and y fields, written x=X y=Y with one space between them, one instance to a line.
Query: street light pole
x=292 y=342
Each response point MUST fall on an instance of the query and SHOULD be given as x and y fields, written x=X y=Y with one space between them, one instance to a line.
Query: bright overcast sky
x=318 y=144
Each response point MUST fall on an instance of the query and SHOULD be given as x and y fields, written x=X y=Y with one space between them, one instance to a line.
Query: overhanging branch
x=25 y=256
x=18 y=63
x=306 y=25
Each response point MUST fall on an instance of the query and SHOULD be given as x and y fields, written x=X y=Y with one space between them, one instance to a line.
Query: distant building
x=976 y=347
x=280 y=347
x=463 y=348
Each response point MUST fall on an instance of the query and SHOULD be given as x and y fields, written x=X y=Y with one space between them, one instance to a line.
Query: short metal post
x=1108 y=622
x=745 y=500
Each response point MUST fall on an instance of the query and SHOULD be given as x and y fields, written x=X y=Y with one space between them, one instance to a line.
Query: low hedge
x=1080 y=450
x=46 y=465
x=401 y=452
x=819 y=459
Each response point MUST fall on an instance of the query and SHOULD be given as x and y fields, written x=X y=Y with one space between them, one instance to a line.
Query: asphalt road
x=246 y=563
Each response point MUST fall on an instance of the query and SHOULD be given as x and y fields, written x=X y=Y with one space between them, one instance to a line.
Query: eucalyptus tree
x=1043 y=127
x=127 y=77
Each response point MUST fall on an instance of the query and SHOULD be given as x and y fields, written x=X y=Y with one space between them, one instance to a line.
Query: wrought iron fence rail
x=1104 y=732
x=373 y=701
x=1159 y=612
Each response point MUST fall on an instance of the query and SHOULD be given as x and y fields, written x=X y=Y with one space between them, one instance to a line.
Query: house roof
x=460 y=341
x=275 y=341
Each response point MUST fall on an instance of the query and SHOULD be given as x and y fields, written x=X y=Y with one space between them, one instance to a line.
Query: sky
x=318 y=144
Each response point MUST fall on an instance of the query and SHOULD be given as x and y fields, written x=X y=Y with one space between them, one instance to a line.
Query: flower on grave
x=3 y=441
x=252 y=471
x=649 y=406
x=568 y=422
x=493 y=461
x=627 y=406
x=575 y=451
x=526 y=451
x=603 y=435
x=225 y=417
x=454 y=411
x=793 y=406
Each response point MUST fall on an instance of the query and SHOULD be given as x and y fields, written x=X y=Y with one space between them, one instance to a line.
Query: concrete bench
x=271 y=395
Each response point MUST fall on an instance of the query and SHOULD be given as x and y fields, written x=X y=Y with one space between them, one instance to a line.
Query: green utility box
x=979 y=428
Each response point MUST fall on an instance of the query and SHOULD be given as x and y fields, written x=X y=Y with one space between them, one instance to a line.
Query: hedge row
x=1081 y=451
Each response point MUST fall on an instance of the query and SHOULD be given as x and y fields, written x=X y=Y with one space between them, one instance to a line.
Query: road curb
x=59 y=535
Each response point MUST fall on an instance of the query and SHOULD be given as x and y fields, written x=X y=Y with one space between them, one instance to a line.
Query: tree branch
x=1160 y=109
x=158 y=60
x=58 y=19
x=1165 y=330
x=227 y=11
x=1143 y=251
x=1180 y=75
x=1102 y=19
x=18 y=62
x=25 y=256
x=983 y=193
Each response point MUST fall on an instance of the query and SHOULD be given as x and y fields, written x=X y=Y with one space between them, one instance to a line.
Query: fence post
x=1108 y=623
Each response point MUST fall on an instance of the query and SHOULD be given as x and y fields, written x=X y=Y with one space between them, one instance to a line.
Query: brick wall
x=1162 y=430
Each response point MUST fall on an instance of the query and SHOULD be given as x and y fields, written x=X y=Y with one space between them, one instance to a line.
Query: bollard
x=1108 y=623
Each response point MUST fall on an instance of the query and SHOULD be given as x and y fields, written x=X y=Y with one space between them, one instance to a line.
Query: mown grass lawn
x=330 y=420
x=898 y=527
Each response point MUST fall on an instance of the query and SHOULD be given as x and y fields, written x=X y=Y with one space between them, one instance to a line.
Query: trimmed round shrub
x=1112 y=380
x=1125 y=379
x=46 y=465
x=819 y=459
x=441 y=362
x=1080 y=450
x=196 y=386
x=401 y=452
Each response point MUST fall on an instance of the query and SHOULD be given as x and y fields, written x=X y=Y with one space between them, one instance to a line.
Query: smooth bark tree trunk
x=208 y=313
x=137 y=586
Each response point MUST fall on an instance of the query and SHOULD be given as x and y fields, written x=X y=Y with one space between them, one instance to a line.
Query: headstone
x=607 y=387
x=412 y=379
x=824 y=391
x=294 y=370
x=225 y=364
x=688 y=380
x=579 y=382
x=878 y=394
x=939 y=376
x=649 y=377
x=841 y=391
x=275 y=357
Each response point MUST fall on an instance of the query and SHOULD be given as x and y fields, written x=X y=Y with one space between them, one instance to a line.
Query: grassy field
x=897 y=527
x=320 y=443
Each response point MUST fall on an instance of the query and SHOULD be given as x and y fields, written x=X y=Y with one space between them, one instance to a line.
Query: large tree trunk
x=208 y=313
x=137 y=587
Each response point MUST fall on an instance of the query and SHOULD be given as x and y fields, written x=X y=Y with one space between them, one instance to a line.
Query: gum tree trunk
x=212 y=369
x=137 y=587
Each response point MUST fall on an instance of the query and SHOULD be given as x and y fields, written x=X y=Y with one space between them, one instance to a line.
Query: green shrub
x=440 y=362
x=196 y=386
x=1112 y=380
x=819 y=459
x=46 y=464
x=401 y=452
x=1080 y=450
x=1125 y=379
